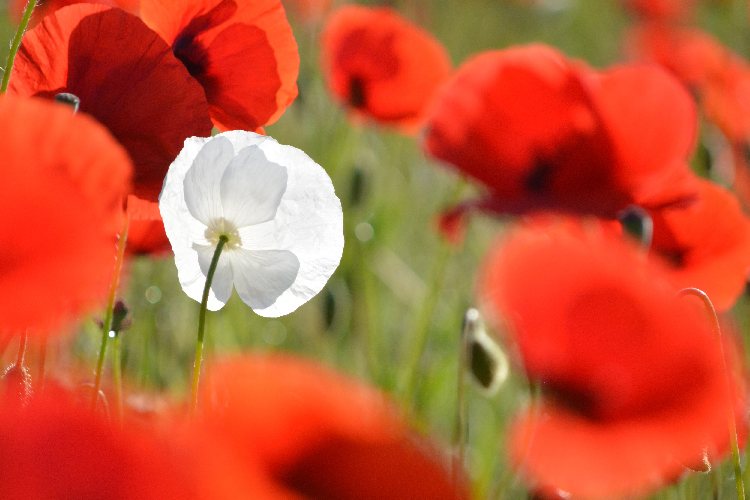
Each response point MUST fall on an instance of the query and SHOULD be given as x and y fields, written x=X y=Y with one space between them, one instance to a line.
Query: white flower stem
x=16 y=43
x=110 y=309
x=732 y=424
x=202 y=325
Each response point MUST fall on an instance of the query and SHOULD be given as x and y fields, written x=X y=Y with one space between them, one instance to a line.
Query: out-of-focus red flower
x=632 y=377
x=242 y=52
x=316 y=434
x=57 y=448
x=128 y=79
x=706 y=244
x=65 y=178
x=381 y=65
x=543 y=132
x=46 y=7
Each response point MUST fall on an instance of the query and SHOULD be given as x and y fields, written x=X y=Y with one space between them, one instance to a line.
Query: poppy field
x=417 y=249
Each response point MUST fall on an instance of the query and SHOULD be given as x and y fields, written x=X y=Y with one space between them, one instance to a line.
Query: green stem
x=409 y=376
x=202 y=325
x=106 y=325
x=117 y=368
x=732 y=424
x=17 y=43
x=460 y=435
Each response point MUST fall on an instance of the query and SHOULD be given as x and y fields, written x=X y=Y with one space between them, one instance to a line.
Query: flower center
x=222 y=227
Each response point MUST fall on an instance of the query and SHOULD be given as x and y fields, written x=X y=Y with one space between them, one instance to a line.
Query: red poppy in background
x=61 y=213
x=316 y=434
x=706 y=244
x=307 y=10
x=128 y=79
x=381 y=65
x=242 y=52
x=543 y=132
x=632 y=377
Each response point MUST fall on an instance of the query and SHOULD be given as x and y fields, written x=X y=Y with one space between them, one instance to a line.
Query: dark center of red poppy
x=357 y=95
x=187 y=49
x=538 y=179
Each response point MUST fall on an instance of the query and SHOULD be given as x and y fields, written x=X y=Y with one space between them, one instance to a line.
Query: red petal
x=318 y=434
x=707 y=244
x=652 y=122
x=244 y=54
x=61 y=212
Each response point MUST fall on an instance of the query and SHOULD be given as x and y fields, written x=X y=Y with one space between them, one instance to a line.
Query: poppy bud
x=487 y=363
x=69 y=99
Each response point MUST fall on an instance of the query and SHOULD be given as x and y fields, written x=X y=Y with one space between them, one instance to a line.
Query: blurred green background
x=394 y=267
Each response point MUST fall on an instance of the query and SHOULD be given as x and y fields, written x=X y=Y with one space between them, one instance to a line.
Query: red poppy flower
x=632 y=377
x=127 y=78
x=61 y=212
x=543 y=132
x=381 y=65
x=56 y=448
x=243 y=54
x=706 y=244
x=318 y=435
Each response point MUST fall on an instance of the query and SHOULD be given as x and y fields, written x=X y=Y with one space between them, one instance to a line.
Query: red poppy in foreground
x=542 y=132
x=318 y=435
x=242 y=52
x=632 y=377
x=61 y=212
x=706 y=244
x=58 y=448
x=381 y=65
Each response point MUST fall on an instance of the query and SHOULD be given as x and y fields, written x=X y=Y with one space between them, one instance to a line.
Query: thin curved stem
x=17 y=43
x=21 y=349
x=106 y=325
x=732 y=424
x=202 y=325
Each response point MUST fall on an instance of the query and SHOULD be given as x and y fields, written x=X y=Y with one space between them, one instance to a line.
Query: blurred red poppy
x=317 y=435
x=542 y=132
x=61 y=212
x=706 y=244
x=381 y=65
x=127 y=78
x=57 y=448
x=243 y=54
x=632 y=377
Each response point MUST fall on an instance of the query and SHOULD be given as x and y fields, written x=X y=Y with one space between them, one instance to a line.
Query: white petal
x=309 y=223
x=262 y=276
x=203 y=178
x=182 y=229
x=221 y=285
x=251 y=188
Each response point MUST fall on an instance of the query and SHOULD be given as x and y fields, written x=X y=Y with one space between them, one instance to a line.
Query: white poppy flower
x=276 y=206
